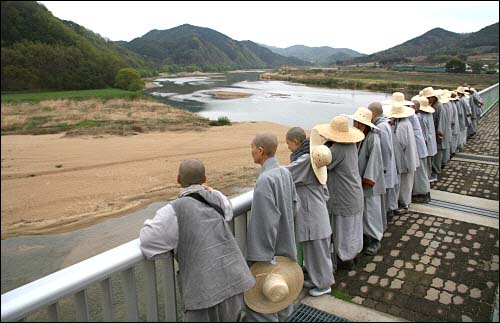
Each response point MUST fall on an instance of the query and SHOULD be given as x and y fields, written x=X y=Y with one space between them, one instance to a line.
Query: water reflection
x=287 y=103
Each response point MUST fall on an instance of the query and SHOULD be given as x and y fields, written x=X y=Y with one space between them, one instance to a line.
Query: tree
x=129 y=79
x=455 y=65
x=476 y=68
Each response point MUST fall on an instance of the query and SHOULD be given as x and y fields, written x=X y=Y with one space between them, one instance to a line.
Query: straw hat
x=428 y=92
x=338 y=130
x=441 y=96
x=415 y=98
x=320 y=156
x=276 y=287
x=461 y=89
x=398 y=112
x=447 y=94
x=364 y=116
x=397 y=99
x=424 y=105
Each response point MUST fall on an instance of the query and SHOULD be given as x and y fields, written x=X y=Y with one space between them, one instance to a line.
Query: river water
x=27 y=258
x=286 y=103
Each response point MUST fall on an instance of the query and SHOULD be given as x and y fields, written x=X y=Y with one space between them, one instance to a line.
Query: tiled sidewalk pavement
x=469 y=178
x=428 y=269
x=485 y=142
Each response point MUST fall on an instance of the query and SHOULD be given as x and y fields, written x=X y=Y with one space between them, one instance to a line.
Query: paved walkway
x=435 y=264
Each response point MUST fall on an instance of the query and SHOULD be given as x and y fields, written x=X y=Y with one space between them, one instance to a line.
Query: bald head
x=376 y=109
x=268 y=142
x=296 y=133
x=191 y=172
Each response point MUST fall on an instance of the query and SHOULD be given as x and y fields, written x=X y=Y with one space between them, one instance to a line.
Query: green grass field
x=101 y=94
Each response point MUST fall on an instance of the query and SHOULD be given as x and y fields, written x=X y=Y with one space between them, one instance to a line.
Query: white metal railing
x=490 y=97
x=75 y=280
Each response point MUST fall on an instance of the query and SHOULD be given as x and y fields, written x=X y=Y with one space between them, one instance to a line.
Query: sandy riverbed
x=55 y=184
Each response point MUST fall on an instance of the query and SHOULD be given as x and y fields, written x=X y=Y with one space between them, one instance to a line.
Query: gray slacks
x=228 y=310
x=318 y=262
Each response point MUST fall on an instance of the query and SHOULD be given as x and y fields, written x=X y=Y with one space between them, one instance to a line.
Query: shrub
x=129 y=79
x=221 y=121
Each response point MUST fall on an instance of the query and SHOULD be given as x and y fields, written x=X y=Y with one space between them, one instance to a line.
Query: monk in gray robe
x=312 y=223
x=464 y=102
x=275 y=204
x=371 y=170
x=439 y=118
x=447 y=130
x=476 y=103
x=346 y=193
x=455 y=124
x=391 y=177
x=405 y=151
x=462 y=122
x=421 y=188
x=212 y=270
x=428 y=131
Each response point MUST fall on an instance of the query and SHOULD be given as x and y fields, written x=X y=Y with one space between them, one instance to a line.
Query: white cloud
x=363 y=26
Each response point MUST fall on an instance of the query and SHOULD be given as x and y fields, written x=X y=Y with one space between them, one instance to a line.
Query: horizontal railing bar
x=47 y=290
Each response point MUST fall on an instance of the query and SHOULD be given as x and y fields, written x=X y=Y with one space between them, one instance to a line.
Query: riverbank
x=55 y=183
x=95 y=117
x=379 y=79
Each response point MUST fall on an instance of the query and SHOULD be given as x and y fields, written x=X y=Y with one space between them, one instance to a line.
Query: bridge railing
x=75 y=281
x=490 y=97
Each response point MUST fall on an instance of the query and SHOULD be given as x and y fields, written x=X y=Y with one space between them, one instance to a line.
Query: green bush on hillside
x=129 y=79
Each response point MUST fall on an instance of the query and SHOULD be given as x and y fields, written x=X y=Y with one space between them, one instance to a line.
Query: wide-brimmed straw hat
x=398 y=112
x=320 y=155
x=424 y=105
x=276 y=286
x=428 y=92
x=338 y=130
x=461 y=89
x=364 y=116
x=397 y=99
x=440 y=94
x=447 y=94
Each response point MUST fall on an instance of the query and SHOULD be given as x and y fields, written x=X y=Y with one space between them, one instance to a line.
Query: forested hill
x=42 y=52
x=439 y=41
x=188 y=44
x=323 y=55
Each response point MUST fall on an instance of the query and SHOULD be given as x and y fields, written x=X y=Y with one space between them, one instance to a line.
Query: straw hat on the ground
x=276 y=286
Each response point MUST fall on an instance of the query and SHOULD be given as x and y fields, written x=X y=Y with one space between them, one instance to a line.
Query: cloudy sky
x=366 y=27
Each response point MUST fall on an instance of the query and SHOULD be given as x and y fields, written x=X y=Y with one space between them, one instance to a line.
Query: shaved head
x=191 y=172
x=376 y=109
x=268 y=142
x=296 y=133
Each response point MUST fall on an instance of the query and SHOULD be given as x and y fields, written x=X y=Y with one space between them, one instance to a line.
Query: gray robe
x=212 y=268
x=407 y=161
x=455 y=126
x=440 y=121
x=419 y=137
x=421 y=182
x=312 y=221
x=275 y=204
x=371 y=170
x=448 y=137
x=476 y=110
x=428 y=131
x=346 y=201
x=468 y=112
x=463 y=122
x=391 y=177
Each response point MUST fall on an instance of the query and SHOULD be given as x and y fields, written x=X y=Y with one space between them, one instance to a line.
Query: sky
x=366 y=27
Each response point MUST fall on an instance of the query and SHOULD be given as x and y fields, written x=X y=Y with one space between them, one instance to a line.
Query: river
x=286 y=103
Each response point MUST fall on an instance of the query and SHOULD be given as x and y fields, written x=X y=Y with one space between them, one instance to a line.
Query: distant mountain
x=42 y=52
x=316 y=55
x=439 y=41
x=188 y=44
